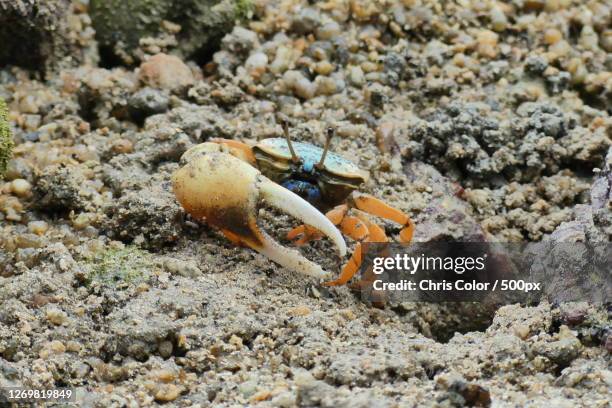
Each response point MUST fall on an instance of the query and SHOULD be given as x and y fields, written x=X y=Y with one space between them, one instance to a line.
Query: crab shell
x=337 y=178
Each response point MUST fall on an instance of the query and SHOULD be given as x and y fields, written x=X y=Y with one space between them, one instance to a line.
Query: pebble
x=166 y=72
x=282 y=61
x=256 y=64
x=326 y=85
x=240 y=41
x=148 y=101
x=163 y=375
x=324 y=68
x=50 y=348
x=499 y=21
x=82 y=221
x=166 y=392
x=552 y=36
x=56 y=316
x=284 y=400
x=165 y=349
x=356 y=76
x=328 y=31
x=188 y=269
x=606 y=40
x=301 y=86
x=38 y=227
x=487 y=44
x=21 y=187
x=299 y=311
x=122 y=146
x=29 y=241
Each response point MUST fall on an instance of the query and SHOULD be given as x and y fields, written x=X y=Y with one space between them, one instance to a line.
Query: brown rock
x=166 y=72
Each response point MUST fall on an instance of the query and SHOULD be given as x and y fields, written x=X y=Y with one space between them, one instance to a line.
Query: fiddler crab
x=222 y=182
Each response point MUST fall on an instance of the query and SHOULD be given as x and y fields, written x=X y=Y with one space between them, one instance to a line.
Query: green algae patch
x=243 y=9
x=6 y=140
x=120 y=267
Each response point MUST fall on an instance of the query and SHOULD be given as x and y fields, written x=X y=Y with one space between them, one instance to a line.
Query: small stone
x=73 y=346
x=261 y=396
x=82 y=221
x=165 y=349
x=247 y=388
x=188 y=269
x=166 y=72
x=301 y=86
x=29 y=241
x=147 y=102
x=50 y=348
x=473 y=394
x=56 y=316
x=324 y=68
x=552 y=36
x=356 y=76
x=38 y=227
x=560 y=48
x=235 y=341
x=499 y=21
x=589 y=38
x=166 y=392
x=522 y=331
x=164 y=375
x=305 y=21
x=240 y=41
x=487 y=44
x=299 y=311
x=328 y=31
x=256 y=64
x=282 y=61
x=605 y=40
x=21 y=187
x=122 y=146
x=326 y=85
x=284 y=400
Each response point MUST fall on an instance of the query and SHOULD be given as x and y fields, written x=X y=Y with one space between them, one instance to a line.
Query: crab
x=222 y=182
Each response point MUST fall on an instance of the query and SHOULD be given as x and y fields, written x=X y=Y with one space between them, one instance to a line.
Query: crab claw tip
x=295 y=205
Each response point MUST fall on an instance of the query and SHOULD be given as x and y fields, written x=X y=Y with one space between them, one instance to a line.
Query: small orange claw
x=303 y=234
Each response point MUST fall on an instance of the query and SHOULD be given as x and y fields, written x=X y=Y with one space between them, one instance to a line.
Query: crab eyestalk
x=331 y=131
x=224 y=191
x=294 y=157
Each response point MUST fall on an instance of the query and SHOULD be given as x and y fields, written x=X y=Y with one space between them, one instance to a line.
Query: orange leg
x=358 y=230
x=379 y=208
x=358 y=227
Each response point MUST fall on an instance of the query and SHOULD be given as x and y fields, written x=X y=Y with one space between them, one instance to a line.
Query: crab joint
x=224 y=191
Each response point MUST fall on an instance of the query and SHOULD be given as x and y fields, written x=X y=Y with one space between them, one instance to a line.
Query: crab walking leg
x=355 y=228
x=379 y=208
x=202 y=188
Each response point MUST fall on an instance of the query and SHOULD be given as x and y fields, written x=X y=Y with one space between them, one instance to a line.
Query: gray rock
x=121 y=24
x=147 y=102
x=33 y=33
